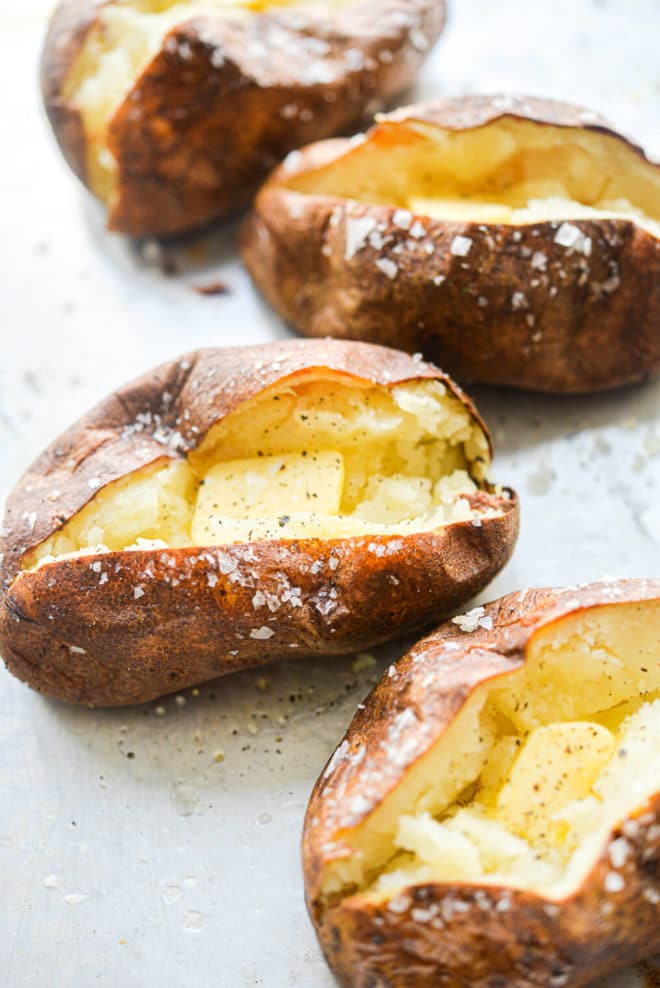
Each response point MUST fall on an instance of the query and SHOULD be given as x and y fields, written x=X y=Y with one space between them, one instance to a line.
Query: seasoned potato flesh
x=127 y=35
x=510 y=171
x=540 y=766
x=322 y=458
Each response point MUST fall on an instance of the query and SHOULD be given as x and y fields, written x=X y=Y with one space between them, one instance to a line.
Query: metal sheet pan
x=161 y=845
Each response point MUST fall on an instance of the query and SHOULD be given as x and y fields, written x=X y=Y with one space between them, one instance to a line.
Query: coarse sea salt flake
x=618 y=851
x=613 y=882
x=358 y=230
x=570 y=236
x=262 y=634
x=460 y=246
x=403 y=219
x=471 y=620
x=388 y=267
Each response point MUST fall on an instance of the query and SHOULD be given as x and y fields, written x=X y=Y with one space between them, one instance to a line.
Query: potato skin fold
x=581 y=325
x=68 y=634
x=183 y=162
x=483 y=936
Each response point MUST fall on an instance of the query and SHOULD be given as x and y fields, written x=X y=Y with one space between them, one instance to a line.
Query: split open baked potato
x=512 y=241
x=173 y=111
x=243 y=505
x=492 y=817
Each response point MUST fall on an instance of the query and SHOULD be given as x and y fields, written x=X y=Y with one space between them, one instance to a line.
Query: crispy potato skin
x=470 y=936
x=68 y=634
x=579 y=324
x=259 y=93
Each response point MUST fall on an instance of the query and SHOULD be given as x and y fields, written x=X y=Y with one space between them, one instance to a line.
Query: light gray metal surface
x=160 y=846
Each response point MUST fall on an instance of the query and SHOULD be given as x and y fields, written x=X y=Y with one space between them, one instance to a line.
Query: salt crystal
x=388 y=267
x=262 y=634
x=460 y=246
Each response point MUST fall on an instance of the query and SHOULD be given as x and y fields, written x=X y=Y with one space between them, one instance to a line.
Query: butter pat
x=268 y=491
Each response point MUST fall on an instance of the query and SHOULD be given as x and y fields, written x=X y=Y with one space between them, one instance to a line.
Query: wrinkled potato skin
x=178 y=635
x=183 y=162
x=527 y=942
x=590 y=324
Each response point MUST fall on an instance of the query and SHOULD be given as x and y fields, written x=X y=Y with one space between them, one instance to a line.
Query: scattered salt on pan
x=138 y=592
x=76 y=650
x=212 y=579
x=539 y=260
x=418 y=230
x=103 y=579
x=518 y=301
x=439 y=279
x=75 y=898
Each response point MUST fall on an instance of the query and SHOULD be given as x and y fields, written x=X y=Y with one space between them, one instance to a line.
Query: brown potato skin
x=496 y=937
x=193 y=617
x=184 y=162
x=584 y=324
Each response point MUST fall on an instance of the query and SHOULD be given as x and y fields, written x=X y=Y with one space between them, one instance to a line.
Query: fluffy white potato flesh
x=511 y=172
x=127 y=35
x=531 y=777
x=309 y=457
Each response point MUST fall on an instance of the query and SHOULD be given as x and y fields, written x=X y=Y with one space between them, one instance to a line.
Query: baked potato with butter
x=492 y=817
x=173 y=111
x=244 y=505
x=513 y=241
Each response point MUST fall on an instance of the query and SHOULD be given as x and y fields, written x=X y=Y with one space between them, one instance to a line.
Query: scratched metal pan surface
x=160 y=845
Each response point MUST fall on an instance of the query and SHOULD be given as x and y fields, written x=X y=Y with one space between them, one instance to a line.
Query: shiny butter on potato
x=492 y=817
x=173 y=112
x=243 y=505
x=514 y=241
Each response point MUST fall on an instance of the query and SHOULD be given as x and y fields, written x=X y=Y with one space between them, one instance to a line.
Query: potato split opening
x=534 y=773
x=309 y=457
x=510 y=171
x=126 y=36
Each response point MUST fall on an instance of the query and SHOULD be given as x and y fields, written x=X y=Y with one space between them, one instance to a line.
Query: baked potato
x=173 y=111
x=492 y=817
x=512 y=241
x=243 y=505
